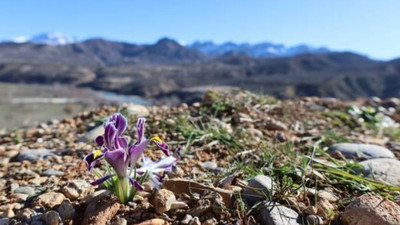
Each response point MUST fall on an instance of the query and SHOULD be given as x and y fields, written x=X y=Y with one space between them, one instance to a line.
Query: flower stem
x=122 y=189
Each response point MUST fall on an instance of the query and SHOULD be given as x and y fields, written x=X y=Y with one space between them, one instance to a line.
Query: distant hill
x=167 y=70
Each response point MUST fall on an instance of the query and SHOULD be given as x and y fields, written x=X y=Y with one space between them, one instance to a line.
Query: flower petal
x=140 y=126
x=101 y=180
x=110 y=134
x=136 y=184
x=121 y=143
x=119 y=121
x=92 y=159
x=99 y=140
x=136 y=151
x=118 y=161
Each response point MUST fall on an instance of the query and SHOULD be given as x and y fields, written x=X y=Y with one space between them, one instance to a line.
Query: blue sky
x=366 y=26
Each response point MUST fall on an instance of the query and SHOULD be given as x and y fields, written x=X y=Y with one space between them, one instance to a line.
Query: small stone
x=310 y=210
x=163 y=200
x=25 y=190
x=66 y=211
x=4 y=221
x=195 y=221
x=360 y=151
x=51 y=217
x=325 y=208
x=70 y=193
x=26 y=215
x=14 y=187
x=187 y=219
x=50 y=199
x=92 y=134
x=179 y=205
x=258 y=189
x=101 y=211
x=52 y=172
x=384 y=170
x=328 y=196
x=33 y=154
x=210 y=222
x=135 y=110
x=209 y=165
x=120 y=221
x=154 y=222
x=371 y=209
x=274 y=214
x=20 y=197
x=275 y=125
x=314 y=220
x=96 y=195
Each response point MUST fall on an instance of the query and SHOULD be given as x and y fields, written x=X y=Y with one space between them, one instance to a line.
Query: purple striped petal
x=136 y=151
x=110 y=134
x=140 y=126
x=136 y=184
x=118 y=161
x=119 y=122
x=101 y=180
x=163 y=147
x=91 y=161
x=99 y=140
x=121 y=143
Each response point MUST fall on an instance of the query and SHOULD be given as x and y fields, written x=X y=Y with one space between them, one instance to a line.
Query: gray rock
x=314 y=220
x=52 y=172
x=51 y=217
x=360 y=151
x=92 y=134
x=187 y=219
x=274 y=214
x=33 y=154
x=386 y=170
x=210 y=165
x=25 y=190
x=260 y=188
x=4 y=221
x=66 y=211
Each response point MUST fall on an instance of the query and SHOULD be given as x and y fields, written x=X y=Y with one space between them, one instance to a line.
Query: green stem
x=122 y=189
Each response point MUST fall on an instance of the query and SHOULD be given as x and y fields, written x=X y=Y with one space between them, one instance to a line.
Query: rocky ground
x=246 y=159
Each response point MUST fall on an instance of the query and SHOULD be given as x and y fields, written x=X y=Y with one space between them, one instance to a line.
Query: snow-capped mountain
x=52 y=38
x=263 y=50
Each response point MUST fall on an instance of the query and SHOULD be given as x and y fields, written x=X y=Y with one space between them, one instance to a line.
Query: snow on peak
x=53 y=38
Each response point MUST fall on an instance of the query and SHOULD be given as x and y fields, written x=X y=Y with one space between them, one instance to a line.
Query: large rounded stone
x=260 y=188
x=274 y=214
x=370 y=209
x=386 y=170
x=33 y=155
x=360 y=151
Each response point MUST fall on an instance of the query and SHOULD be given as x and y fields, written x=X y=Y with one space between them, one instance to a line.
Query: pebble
x=274 y=214
x=325 y=208
x=92 y=134
x=51 y=217
x=120 y=221
x=360 y=151
x=209 y=165
x=135 y=110
x=4 y=221
x=33 y=154
x=195 y=221
x=371 y=209
x=314 y=220
x=101 y=211
x=154 y=222
x=52 y=172
x=187 y=219
x=50 y=199
x=386 y=170
x=66 y=211
x=163 y=200
x=275 y=125
x=258 y=189
x=25 y=190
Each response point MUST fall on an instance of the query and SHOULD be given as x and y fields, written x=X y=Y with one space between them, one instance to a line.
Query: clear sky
x=367 y=26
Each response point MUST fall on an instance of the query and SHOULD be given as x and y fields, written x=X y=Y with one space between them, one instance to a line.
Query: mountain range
x=259 y=50
x=169 y=72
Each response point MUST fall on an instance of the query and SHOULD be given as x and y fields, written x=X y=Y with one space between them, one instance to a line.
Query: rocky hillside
x=245 y=159
x=167 y=71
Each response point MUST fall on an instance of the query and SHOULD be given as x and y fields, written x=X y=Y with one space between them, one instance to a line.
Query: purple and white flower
x=123 y=158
